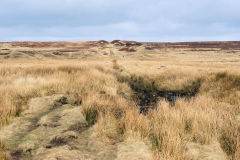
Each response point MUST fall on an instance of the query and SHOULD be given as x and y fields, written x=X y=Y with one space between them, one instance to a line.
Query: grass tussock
x=224 y=87
x=104 y=93
x=230 y=138
x=3 y=154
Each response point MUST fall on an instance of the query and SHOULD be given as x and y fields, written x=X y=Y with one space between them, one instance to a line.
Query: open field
x=120 y=100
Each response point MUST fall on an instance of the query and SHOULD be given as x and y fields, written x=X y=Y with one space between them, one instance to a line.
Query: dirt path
x=54 y=128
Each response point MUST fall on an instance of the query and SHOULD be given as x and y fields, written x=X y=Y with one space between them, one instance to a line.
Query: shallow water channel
x=149 y=101
x=147 y=94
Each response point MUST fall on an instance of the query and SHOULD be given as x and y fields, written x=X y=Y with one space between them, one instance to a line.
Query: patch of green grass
x=91 y=116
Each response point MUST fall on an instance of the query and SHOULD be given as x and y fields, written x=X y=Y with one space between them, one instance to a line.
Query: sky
x=140 y=20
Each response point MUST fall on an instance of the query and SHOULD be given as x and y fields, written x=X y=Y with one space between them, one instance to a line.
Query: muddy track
x=54 y=128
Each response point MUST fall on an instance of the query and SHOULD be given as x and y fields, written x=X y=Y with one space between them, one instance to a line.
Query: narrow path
x=53 y=128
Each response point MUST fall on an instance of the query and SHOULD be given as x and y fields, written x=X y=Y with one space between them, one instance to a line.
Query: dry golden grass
x=2 y=152
x=209 y=118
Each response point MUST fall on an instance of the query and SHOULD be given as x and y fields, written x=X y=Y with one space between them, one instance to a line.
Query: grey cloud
x=144 y=20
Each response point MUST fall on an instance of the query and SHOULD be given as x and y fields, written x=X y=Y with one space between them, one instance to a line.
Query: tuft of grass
x=230 y=138
x=115 y=64
x=91 y=116
x=3 y=154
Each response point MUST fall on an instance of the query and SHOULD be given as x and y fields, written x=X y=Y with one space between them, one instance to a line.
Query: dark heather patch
x=56 y=118
x=58 y=103
x=53 y=125
x=62 y=100
x=17 y=154
x=55 y=106
x=34 y=124
x=48 y=146
x=58 y=141
x=79 y=127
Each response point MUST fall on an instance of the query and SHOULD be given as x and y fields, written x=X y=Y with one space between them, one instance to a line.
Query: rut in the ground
x=54 y=128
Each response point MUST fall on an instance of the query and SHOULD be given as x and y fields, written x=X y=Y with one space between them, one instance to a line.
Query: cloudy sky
x=141 y=20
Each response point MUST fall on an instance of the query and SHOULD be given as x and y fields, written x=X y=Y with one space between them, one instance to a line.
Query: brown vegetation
x=110 y=93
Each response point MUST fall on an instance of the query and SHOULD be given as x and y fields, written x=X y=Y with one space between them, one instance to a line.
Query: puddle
x=147 y=94
x=149 y=100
